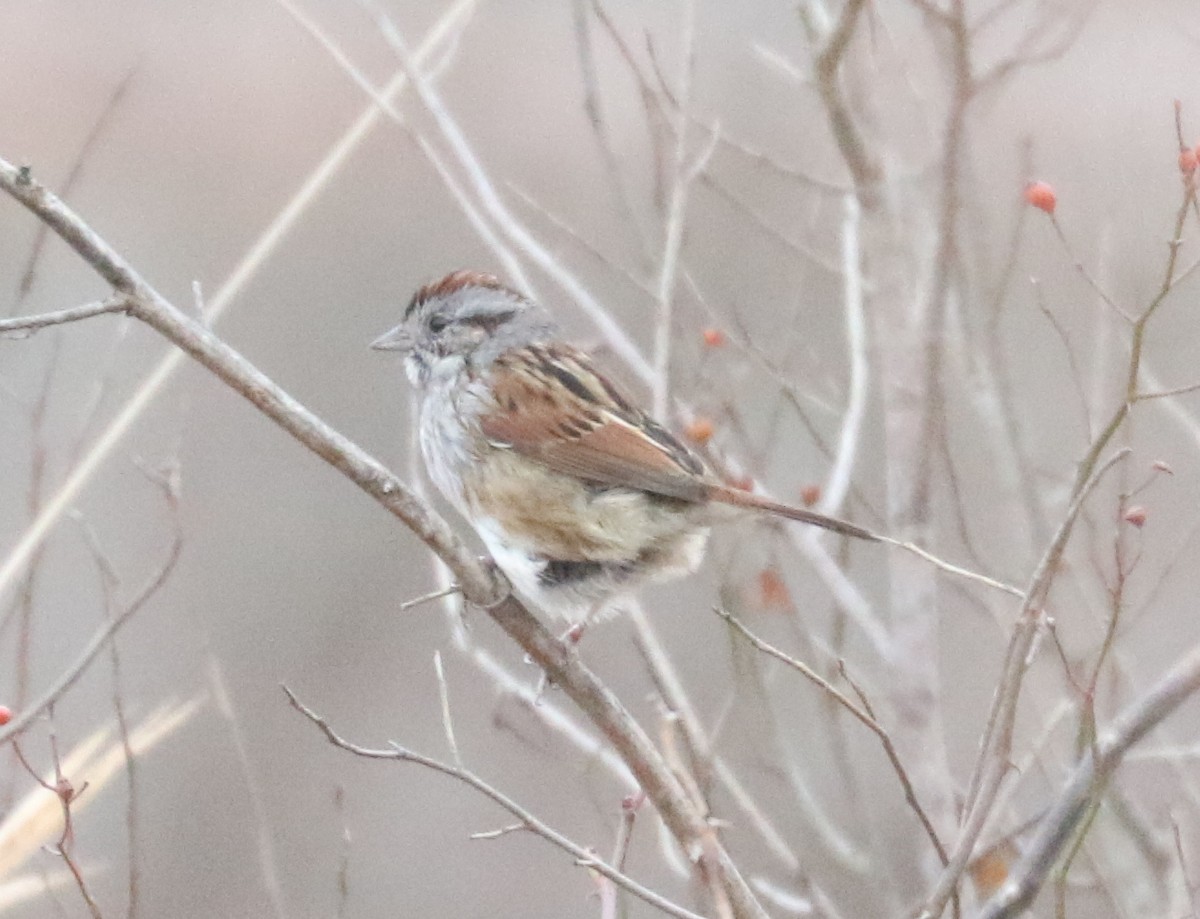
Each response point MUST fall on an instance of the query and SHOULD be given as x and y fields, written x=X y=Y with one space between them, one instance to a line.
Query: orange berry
x=772 y=592
x=5 y=715
x=1136 y=515
x=700 y=431
x=990 y=870
x=810 y=495
x=744 y=482
x=1041 y=195
x=714 y=338
x=1188 y=162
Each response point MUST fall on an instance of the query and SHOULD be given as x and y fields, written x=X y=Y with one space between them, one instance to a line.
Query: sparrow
x=578 y=494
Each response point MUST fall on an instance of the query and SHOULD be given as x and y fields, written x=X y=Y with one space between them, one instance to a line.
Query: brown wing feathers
x=550 y=405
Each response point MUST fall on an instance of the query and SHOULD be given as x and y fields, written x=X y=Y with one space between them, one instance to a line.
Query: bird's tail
x=736 y=497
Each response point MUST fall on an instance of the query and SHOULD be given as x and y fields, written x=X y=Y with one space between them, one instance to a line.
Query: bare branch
x=102 y=635
x=442 y=592
x=343 y=869
x=681 y=180
x=527 y=819
x=1189 y=887
x=268 y=864
x=13 y=328
x=1088 y=783
x=1087 y=275
x=950 y=568
x=1166 y=393
x=864 y=170
x=444 y=699
x=502 y=831
x=862 y=715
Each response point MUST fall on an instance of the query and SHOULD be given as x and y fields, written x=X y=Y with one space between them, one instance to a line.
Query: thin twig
x=448 y=591
x=608 y=890
x=268 y=863
x=1086 y=275
x=501 y=831
x=673 y=232
x=950 y=568
x=670 y=688
x=343 y=867
x=100 y=639
x=1166 y=393
x=30 y=324
x=1072 y=364
x=592 y=106
x=859 y=713
x=1188 y=886
x=527 y=819
x=109 y=585
x=444 y=699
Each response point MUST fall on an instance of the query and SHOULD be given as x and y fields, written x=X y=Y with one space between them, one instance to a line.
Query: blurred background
x=182 y=131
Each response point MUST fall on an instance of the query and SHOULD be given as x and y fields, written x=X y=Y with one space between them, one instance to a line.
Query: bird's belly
x=569 y=549
x=546 y=514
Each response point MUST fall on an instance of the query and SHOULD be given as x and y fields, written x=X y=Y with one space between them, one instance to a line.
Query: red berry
x=700 y=431
x=1041 y=195
x=772 y=591
x=1188 y=162
x=1136 y=515
x=810 y=495
x=714 y=338
x=5 y=715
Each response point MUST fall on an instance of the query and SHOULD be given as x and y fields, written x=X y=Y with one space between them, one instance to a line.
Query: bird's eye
x=438 y=324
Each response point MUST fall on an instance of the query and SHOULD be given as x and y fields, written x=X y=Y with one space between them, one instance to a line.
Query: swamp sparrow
x=577 y=493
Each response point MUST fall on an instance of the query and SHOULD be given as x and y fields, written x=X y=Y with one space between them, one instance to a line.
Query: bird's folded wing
x=549 y=403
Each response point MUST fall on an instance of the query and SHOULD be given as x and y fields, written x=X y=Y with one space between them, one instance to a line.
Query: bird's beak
x=397 y=339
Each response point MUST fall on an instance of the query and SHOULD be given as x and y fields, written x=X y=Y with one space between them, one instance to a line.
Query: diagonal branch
x=1088 y=782
x=527 y=820
x=480 y=584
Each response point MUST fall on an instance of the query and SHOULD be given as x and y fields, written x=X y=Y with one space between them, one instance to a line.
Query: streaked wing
x=553 y=406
